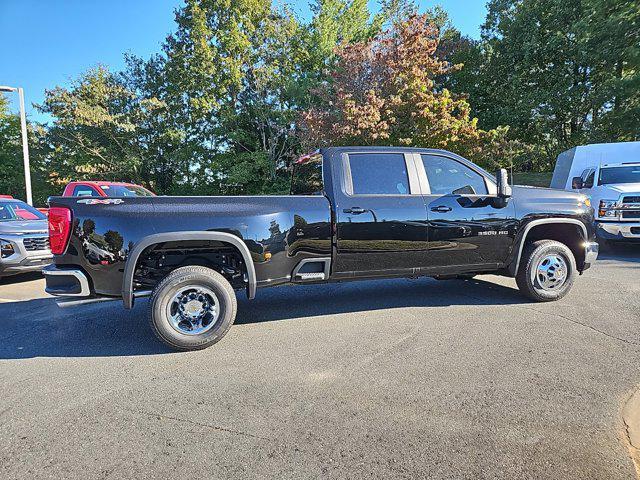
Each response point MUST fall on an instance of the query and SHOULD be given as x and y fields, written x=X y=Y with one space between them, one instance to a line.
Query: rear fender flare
x=132 y=260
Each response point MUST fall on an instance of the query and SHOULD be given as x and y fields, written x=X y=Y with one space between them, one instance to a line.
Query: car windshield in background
x=613 y=175
x=126 y=191
x=16 y=211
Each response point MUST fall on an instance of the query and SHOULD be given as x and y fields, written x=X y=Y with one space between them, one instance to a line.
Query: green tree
x=561 y=73
x=228 y=79
x=336 y=22
x=609 y=32
x=94 y=129
x=11 y=160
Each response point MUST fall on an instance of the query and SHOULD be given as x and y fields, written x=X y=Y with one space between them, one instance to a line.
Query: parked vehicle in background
x=610 y=175
x=354 y=213
x=97 y=188
x=24 y=238
x=41 y=210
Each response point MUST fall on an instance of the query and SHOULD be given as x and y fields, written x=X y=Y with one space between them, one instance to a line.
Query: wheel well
x=568 y=233
x=158 y=260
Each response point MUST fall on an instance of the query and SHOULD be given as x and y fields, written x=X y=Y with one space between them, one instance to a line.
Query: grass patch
x=533 y=179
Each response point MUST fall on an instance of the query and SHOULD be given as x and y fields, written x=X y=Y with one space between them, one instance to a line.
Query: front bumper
x=618 y=230
x=66 y=282
x=23 y=260
x=591 y=250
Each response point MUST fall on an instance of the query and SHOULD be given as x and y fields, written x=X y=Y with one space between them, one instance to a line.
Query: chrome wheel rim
x=193 y=310
x=550 y=273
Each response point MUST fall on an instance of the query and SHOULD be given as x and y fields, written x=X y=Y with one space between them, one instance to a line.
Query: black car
x=353 y=213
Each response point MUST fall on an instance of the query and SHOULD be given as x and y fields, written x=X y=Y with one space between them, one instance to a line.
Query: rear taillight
x=59 y=229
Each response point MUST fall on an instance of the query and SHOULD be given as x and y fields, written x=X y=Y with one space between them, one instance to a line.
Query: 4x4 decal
x=101 y=201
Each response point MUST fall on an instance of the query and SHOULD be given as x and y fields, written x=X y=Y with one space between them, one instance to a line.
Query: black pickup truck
x=353 y=213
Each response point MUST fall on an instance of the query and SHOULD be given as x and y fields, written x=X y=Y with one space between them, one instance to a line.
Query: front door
x=381 y=216
x=469 y=228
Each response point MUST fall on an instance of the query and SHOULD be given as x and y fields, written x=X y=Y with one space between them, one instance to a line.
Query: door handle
x=354 y=210
x=441 y=209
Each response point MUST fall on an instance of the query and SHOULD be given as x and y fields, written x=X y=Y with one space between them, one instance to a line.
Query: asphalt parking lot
x=387 y=379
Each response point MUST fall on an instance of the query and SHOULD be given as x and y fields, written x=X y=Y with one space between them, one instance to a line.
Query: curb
x=631 y=421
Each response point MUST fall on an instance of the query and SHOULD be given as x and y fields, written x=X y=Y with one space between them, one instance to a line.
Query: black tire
x=532 y=256
x=182 y=278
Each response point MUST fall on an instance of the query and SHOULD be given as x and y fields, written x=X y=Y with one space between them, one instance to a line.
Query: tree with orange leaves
x=383 y=92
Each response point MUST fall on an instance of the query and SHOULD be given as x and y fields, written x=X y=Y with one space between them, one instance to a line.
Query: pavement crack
x=369 y=359
x=231 y=431
x=590 y=327
x=205 y=425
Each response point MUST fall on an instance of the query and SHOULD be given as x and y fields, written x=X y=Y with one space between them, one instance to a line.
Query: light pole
x=25 y=145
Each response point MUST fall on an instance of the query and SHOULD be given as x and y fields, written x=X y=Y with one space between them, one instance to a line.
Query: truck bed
x=279 y=231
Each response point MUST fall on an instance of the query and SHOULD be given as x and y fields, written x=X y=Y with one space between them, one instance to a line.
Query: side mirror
x=504 y=189
x=576 y=183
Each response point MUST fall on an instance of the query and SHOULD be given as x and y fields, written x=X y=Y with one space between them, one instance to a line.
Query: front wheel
x=192 y=308
x=547 y=271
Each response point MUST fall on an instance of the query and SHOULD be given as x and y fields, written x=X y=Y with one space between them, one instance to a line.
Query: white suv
x=615 y=195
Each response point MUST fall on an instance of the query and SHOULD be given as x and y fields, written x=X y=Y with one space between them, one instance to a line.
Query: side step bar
x=310 y=276
x=71 y=302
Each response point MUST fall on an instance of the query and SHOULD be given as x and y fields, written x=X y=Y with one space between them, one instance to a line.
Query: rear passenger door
x=380 y=216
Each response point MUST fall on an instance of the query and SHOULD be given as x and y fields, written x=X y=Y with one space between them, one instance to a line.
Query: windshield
x=126 y=191
x=613 y=175
x=15 y=211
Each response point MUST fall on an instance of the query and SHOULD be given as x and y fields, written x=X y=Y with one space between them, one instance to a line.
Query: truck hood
x=542 y=193
x=17 y=227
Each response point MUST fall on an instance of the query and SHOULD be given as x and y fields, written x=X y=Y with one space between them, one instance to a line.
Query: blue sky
x=46 y=43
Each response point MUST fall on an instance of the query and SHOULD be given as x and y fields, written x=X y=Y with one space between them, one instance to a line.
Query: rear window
x=379 y=174
x=85 y=191
x=126 y=191
x=307 y=176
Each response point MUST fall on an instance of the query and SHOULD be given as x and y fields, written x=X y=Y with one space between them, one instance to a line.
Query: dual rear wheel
x=192 y=308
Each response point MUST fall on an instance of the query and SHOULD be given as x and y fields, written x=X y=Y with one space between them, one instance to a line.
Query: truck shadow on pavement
x=290 y=302
x=22 y=277
x=39 y=328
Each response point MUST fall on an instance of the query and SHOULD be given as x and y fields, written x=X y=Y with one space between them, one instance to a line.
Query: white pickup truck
x=610 y=175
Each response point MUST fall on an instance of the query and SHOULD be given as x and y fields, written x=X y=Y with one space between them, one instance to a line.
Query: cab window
x=447 y=176
x=84 y=191
x=379 y=174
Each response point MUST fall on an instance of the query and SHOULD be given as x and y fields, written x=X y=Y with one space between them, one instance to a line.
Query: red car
x=97 y=188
